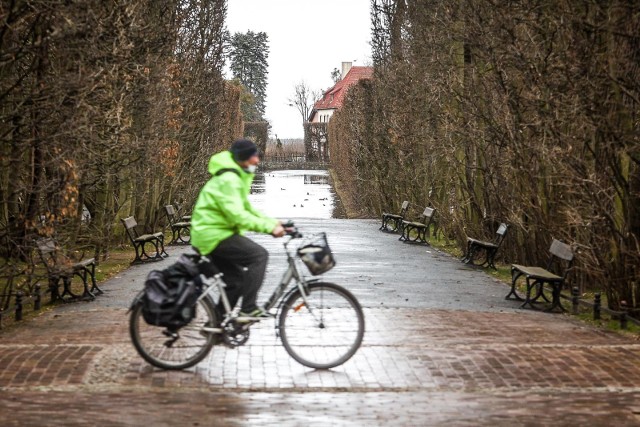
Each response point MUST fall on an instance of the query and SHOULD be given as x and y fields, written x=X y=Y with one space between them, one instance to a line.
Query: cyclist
x=220 y=218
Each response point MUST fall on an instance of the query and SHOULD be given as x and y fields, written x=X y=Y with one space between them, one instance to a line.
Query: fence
x=17 y=308
x=19 y=289
x=621 y=315
x=291 y=161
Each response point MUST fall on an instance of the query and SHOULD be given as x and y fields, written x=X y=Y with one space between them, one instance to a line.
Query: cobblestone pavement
x=444 y=347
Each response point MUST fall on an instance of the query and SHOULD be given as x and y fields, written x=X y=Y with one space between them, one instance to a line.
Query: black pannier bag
x=170 y=295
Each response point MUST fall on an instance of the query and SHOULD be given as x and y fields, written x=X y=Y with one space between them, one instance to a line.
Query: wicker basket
x=316 y=254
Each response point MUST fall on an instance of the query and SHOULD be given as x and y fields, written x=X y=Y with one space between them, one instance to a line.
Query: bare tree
x=303 y=99
x=336 y=75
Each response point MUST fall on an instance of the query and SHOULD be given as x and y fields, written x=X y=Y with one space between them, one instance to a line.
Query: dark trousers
x=243 y=263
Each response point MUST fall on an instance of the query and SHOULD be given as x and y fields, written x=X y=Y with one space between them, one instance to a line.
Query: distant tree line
x=524 y=111
x=111 y=106
x=285 y=146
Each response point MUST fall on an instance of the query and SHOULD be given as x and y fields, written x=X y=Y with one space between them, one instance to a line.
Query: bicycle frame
x=291 y=273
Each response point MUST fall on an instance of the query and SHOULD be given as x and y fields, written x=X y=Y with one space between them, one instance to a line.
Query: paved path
x=442 y=347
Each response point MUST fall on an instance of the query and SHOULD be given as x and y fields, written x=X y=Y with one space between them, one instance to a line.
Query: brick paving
x=220 y=408
x=421 y=363
x=403 y=349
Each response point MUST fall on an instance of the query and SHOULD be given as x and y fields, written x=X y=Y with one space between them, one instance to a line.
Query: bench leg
x=421 y=234
x=141 y=253
x=175 y=236
x=383 y=227
x=397 y=225
x=467 y=258
x=556 y=303
x=405 y=231
x=540 y=293
x=158 y=255
x=515 y=275
x=528 y=300
x=86 y=294
x=491 y=255
x=184 y=235
x=162 y=252
x=180 y=236
x=139 y=248
x=390 y=224
x=66 y=290
x=54 y=288
x=95 y=290
x=477 y=255
x=89 y=273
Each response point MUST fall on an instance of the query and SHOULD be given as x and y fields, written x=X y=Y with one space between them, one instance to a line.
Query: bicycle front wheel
x=323 y=329
x=180 y=349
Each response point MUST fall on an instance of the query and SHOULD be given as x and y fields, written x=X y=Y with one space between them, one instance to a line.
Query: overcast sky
x=307 y=40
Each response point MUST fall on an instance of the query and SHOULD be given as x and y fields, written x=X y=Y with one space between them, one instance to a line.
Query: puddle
x=294 y=194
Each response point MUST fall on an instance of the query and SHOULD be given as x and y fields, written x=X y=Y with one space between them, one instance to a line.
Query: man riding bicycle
x=220 y=218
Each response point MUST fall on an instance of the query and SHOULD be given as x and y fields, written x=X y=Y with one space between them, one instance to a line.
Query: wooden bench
x=560 y=261
x=421 y=228
x=180 y=229
x=60 y=267
x=481 y=253
x=391 y=222
x=139 y=241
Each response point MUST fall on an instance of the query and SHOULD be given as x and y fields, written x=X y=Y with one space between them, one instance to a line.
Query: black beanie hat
x=243 y=149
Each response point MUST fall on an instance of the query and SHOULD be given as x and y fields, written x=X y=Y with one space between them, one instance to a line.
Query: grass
x=119 y=260
x=610 y=324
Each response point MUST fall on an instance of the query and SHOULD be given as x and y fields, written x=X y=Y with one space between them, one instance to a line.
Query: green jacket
x=223 y=208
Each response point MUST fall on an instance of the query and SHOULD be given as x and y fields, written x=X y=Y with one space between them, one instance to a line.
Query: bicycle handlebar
x=291 y=230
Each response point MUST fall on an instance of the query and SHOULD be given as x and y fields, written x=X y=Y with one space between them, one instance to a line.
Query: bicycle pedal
x=170 y=334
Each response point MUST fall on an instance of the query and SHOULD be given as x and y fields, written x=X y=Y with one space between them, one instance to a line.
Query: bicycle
x=320 y=324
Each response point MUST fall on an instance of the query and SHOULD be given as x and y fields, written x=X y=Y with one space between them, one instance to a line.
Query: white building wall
x=322 y=116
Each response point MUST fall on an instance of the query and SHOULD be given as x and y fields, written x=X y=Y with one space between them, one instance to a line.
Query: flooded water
x=294 y=194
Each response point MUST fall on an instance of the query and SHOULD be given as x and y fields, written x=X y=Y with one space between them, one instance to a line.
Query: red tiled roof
x=333 y=97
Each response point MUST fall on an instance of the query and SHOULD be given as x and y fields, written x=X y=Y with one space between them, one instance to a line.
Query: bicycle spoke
x=190 y=346
x=323 y=329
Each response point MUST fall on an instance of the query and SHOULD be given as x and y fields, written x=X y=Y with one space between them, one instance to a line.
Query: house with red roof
x=332 y=99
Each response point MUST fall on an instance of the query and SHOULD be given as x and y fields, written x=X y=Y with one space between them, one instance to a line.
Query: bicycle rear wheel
x=325 y=330
x=179 y=349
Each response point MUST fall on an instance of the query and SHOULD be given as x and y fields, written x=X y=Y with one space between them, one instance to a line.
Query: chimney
x=346 y=66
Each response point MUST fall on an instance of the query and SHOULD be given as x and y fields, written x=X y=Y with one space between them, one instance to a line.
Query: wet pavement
x=442 y=347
